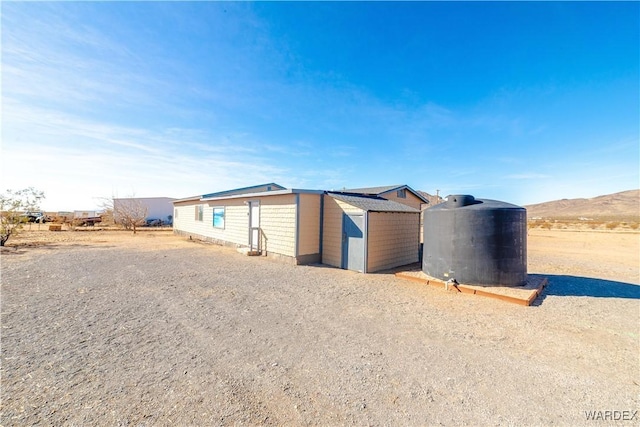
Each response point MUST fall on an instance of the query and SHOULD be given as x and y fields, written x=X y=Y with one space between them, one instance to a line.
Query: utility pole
x=437 y=196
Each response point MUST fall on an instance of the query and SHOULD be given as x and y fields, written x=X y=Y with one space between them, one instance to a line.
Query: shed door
x=254 y=226
x=353 y=242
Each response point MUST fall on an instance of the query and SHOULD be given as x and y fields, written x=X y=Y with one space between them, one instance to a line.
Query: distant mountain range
x=624 y=205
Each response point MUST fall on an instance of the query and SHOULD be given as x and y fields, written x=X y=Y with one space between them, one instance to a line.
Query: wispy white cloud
x=95 y=99
x=96 y=159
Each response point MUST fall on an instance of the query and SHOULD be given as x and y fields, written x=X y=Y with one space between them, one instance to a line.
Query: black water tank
x=476 y=241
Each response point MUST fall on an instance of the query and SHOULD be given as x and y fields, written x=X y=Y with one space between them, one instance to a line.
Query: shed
x=398 y=193
x=369 y=233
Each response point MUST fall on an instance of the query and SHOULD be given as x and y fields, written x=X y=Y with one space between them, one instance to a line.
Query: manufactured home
x=351 y=229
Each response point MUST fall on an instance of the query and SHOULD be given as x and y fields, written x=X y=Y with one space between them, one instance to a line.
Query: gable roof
x=379 y=191
x=372 y=190
x=245 y=190
x=372 y=203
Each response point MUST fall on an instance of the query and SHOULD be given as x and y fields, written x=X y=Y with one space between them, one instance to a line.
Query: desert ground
x=108 y=328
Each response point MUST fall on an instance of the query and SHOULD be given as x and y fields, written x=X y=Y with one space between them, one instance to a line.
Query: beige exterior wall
x=278 y=218
x=309 y=226
x=236 y=221
x=278 y=223
x=184 y=218
x=393 y=240
x=411 y=199
x=332 y=229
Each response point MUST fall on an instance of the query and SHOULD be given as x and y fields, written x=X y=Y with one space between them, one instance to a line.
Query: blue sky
x=521 y=102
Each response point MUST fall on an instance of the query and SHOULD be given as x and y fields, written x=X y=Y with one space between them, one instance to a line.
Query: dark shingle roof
x=372 y=203
x=377 y=191
x=373 y=190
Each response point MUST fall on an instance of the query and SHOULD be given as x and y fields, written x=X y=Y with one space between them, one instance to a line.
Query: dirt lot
x=106 y=328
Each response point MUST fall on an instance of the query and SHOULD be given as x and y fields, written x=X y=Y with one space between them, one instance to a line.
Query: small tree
x=130 y=213
x=107 y=217
x=12 y=205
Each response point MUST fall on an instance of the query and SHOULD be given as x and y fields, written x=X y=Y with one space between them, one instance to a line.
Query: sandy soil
x=106 y=328
x=611 y=255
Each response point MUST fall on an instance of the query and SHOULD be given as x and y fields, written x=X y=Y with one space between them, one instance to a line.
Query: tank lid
x=460 y=200
x=469 y=203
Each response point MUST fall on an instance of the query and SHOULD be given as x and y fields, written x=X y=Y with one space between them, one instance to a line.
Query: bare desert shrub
x=546 y=225
x=59 y=219
x=534 y=223
x=107 y=217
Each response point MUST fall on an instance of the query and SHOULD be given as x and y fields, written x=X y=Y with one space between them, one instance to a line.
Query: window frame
x=224 y=214
x=199 y=213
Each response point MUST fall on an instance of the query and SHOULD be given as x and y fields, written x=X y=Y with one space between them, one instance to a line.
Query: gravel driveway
x=155 y=330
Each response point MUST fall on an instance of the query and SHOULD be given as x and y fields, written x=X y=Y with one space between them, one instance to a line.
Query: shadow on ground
x=560 y=285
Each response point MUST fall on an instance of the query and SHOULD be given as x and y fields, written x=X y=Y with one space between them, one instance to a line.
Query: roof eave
x=262 y=194
x=234 y=190
x=417 y=194
x=187 y=199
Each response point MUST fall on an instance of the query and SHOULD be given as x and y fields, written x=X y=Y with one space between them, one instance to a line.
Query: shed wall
x=393 y=240
x=332 y=230
x=309 y=226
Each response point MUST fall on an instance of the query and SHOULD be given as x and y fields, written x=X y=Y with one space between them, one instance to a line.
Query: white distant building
x=157 y=207
x=84 y=214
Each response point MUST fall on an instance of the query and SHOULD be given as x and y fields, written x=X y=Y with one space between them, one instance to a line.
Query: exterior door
x=254 y=226
x=353 y=242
